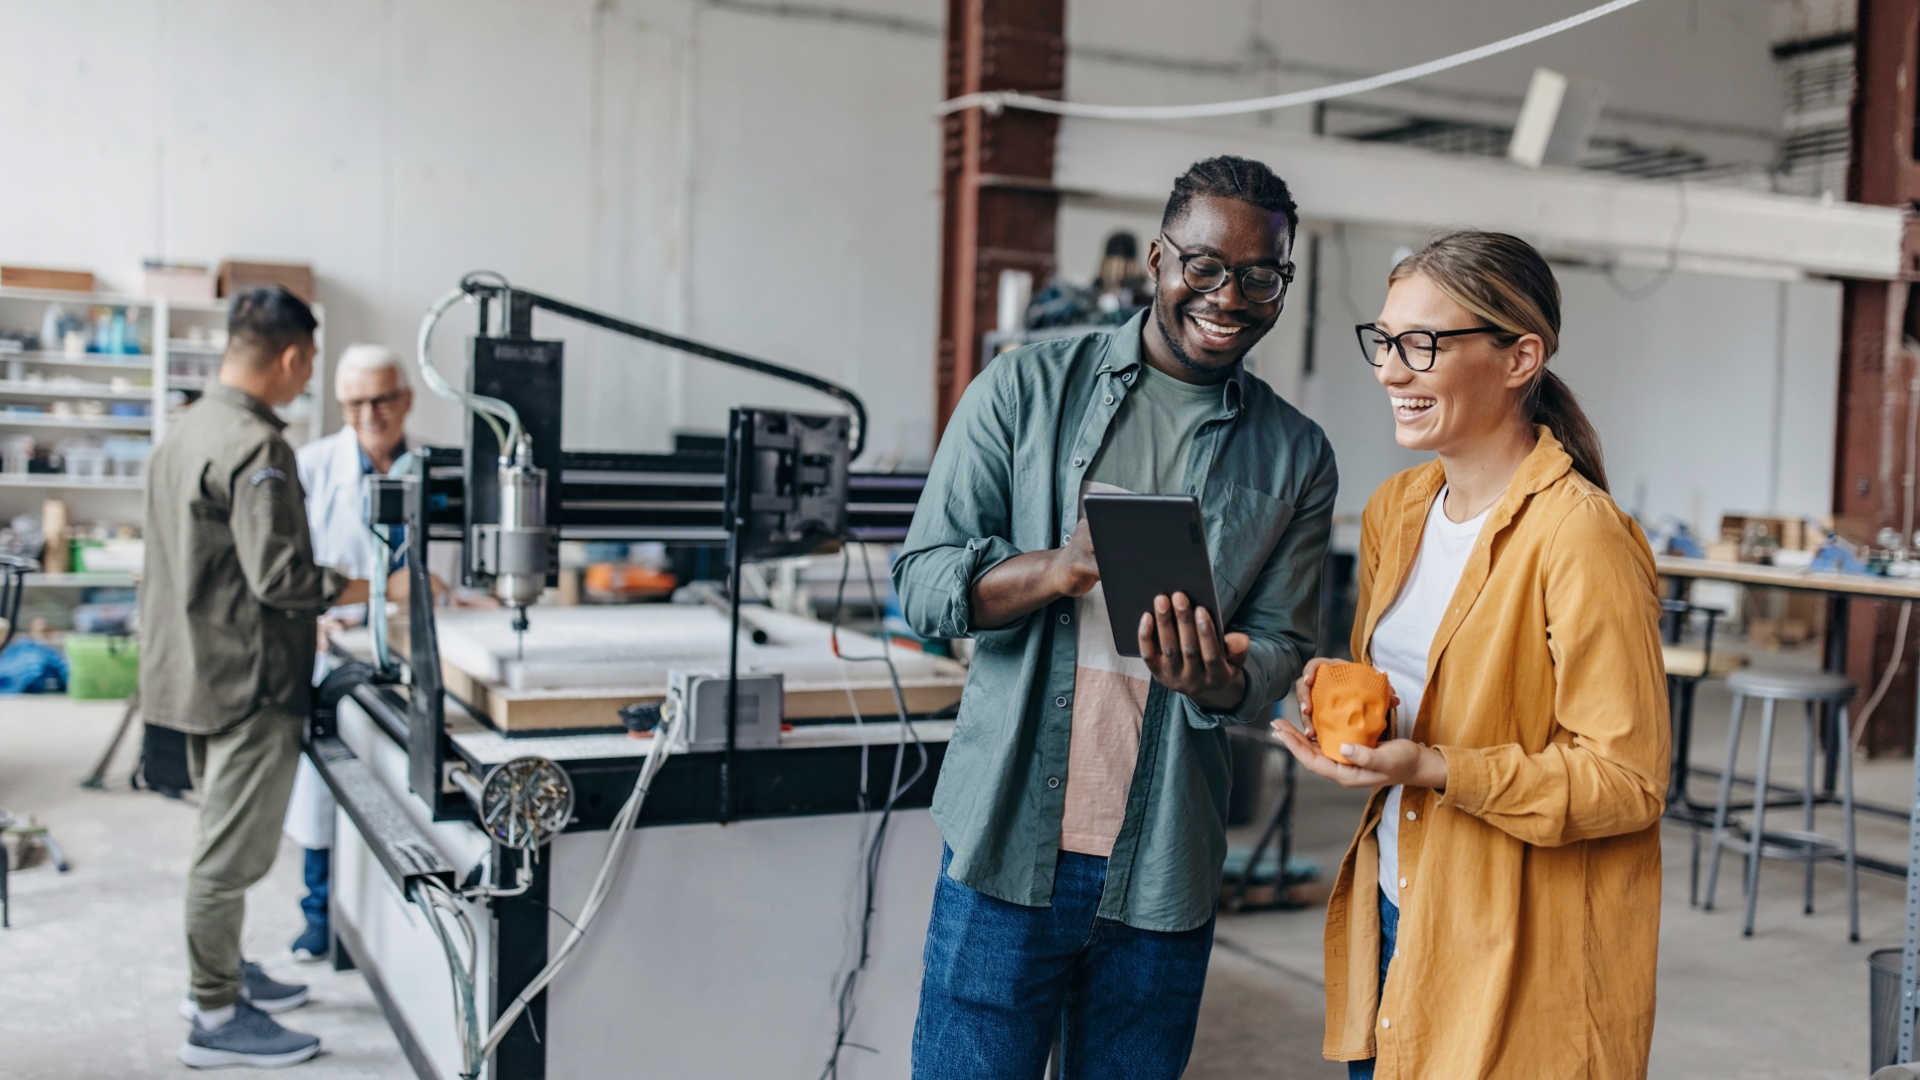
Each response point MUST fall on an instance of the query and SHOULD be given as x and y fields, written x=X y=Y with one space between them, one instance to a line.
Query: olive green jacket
x=230 y=594
x=1006 y=481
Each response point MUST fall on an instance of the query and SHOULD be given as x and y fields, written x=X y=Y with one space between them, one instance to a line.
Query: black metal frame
x=13 y=573
x=520 y=303
x=13 y=586
x=1680 y=695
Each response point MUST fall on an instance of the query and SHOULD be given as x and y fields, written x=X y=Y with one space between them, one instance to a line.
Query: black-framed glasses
x=1205 y=273
x=385 y=403
x=1418 y=349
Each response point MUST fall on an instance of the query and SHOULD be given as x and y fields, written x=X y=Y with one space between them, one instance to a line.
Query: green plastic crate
x=102 y=665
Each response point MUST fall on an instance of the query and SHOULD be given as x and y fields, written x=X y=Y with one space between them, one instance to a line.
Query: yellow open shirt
x=1530 y=918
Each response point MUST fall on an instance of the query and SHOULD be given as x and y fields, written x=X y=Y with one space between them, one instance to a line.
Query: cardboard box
x=1788 y=534
x=178 y=282
x=35 y=277
x=238 y=277
x=1783 y=618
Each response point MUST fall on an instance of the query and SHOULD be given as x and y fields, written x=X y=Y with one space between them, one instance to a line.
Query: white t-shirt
x=1403 y=637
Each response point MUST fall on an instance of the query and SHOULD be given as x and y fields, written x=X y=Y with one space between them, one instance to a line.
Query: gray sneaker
x=250 y=1038
x=267 y=994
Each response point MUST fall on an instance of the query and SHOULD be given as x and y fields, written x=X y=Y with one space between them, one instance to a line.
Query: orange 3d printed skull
x=1351 y=704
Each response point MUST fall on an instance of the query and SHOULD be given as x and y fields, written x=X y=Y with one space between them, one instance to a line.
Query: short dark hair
x=268 y=319
x=1229 y=177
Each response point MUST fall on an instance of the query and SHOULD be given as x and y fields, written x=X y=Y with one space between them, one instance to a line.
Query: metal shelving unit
x=61 y=388
x=85 y=579
x=62 y=481
x=81 y=423
x=175 y=361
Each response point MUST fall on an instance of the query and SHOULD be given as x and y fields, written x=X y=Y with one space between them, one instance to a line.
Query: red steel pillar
x=1870 y=454
x=996 y=173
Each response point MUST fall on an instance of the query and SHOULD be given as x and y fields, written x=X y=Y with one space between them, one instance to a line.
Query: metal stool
x=1771 y=687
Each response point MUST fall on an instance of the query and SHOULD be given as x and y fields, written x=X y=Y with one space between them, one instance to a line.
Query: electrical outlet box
x=701 y=698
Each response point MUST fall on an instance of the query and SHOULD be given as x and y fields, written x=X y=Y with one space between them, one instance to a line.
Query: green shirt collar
x=1124 y=358
x=240 y=399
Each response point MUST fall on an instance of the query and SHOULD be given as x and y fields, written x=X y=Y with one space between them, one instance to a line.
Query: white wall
x=1697 y=390
x=764 y=184
x=768 y=181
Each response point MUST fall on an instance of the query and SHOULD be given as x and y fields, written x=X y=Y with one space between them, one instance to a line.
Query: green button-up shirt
x=1005 y=481
x=231 y=595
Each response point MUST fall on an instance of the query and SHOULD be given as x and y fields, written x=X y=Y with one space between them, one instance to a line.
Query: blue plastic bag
x=28 y=667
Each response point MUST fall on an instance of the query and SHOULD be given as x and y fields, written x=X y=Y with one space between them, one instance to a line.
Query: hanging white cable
x=428 y=894
x=620 y=830
x=487 y=407
x=995 y=100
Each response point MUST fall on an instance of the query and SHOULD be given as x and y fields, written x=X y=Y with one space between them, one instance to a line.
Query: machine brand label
x=525 y=354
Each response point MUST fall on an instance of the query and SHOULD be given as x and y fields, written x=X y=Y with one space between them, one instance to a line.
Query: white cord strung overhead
x=995 y=100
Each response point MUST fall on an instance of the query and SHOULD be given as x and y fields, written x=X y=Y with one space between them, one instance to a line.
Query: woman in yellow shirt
x=1498 y=913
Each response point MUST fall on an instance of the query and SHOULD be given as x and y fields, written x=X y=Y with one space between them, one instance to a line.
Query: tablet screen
x=1147 y=546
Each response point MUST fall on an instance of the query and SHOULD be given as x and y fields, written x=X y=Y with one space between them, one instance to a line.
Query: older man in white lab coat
x=371 y=386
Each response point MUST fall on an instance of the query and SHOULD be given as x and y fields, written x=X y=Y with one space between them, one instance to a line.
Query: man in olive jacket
x=228 y=609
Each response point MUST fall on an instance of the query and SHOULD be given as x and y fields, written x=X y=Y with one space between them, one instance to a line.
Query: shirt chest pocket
x=1248 y=527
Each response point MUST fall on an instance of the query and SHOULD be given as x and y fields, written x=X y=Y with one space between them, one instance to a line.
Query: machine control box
x=787 y=481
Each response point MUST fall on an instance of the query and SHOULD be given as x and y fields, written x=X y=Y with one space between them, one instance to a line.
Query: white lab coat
x=330 y=473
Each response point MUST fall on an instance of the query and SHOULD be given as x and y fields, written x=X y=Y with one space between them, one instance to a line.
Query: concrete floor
x=93 y=968
x=95 y=965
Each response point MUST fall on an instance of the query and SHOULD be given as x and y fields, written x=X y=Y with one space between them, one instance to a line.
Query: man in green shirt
x=229 y=606
x=1083 y=799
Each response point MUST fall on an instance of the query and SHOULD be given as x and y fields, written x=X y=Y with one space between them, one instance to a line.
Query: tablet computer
x=1148 y=546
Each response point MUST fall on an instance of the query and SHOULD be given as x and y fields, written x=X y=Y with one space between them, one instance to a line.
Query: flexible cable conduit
x=488 y=408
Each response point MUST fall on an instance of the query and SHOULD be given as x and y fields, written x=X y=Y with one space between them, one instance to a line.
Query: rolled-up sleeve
x=1281 y=614
x=964 y=522
x=270 y=537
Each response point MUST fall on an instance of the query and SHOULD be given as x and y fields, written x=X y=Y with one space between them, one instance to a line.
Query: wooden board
x=35 y=277
x=517 y=711
x=577 y=667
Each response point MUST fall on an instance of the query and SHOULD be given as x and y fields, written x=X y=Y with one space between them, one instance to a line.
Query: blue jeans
x=1389 y=937
x=318 y=870
x=1003 y=980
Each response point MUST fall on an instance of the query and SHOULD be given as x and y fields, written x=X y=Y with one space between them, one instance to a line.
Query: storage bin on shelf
x=102 y=665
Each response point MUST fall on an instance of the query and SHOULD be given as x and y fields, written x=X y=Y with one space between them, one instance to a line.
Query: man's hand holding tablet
x=1184 y=649
x=1152 y=552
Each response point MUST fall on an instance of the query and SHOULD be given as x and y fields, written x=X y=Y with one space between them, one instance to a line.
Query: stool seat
x=1692 y=662
x=1791 y=685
